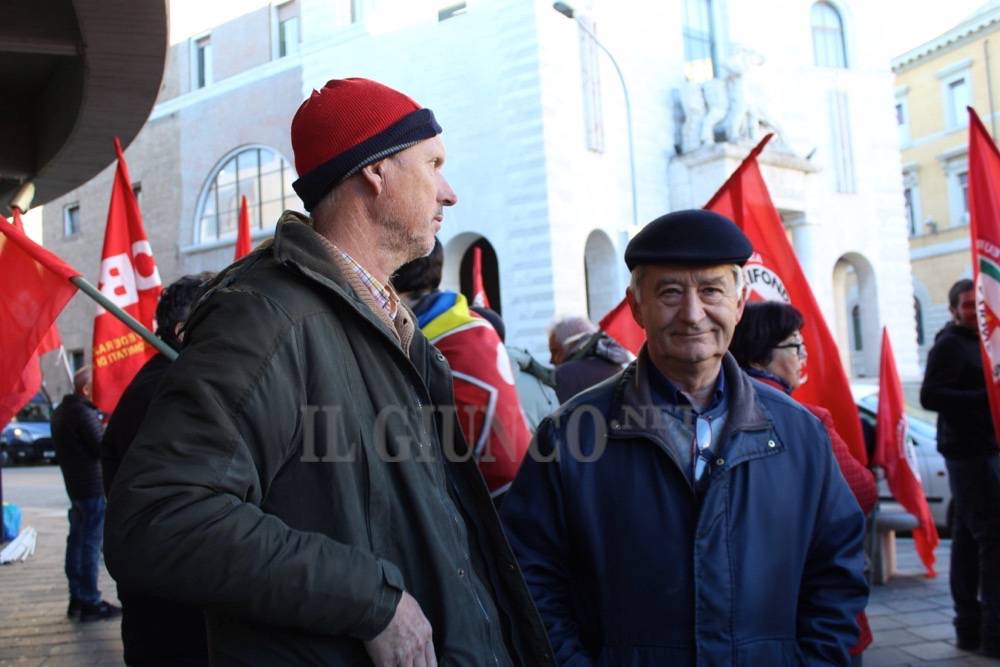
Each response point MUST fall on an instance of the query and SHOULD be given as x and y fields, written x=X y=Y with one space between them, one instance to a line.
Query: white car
x=922 y=431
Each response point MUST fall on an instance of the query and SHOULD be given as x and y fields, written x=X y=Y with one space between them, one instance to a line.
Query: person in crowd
x=155 y=630
x=582 y=355
x=681 y=513
x=76 y=431
x=954 y=386
x=534 y=380
x=485 y=396
x=768 y=345
x=299 y=474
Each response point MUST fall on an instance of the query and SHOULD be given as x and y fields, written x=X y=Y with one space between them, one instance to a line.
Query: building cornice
x=986 y=21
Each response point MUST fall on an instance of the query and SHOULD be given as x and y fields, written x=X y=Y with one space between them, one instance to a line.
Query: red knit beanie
x=347 y=125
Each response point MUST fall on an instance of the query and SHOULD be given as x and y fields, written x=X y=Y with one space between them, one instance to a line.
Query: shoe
x=967 y=642
x=74 y=607
x=101 y=611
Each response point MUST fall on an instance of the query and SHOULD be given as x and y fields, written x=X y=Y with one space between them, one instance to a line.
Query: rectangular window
x=202 y=62
x=963 y=188
x=911 y=216
x=71 y=220
x=957 y=174
x=957 y=93
x=451 y=11
x=903 y=121
x=288 y=29
x=911 y=200
x=699 y=41
x=76 y=360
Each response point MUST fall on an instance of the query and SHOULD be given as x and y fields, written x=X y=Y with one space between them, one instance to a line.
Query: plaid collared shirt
x=384 y=295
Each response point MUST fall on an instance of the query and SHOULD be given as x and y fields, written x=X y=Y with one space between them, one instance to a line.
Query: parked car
x=922 y=432
x=28 y=436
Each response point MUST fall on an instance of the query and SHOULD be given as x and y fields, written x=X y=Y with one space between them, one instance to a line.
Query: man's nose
x=446 y=196
x=692 y=310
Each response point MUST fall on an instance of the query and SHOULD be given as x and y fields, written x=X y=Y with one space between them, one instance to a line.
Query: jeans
x=975 y=546
x=83 y=548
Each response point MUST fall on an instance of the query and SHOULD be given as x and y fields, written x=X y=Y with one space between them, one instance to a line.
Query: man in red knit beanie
x=298 y=475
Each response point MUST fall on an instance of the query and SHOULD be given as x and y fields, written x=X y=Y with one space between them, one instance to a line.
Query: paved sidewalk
x=911 y=616
x=34 y=630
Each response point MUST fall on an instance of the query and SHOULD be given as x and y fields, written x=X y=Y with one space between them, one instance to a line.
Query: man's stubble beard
x=400 y=242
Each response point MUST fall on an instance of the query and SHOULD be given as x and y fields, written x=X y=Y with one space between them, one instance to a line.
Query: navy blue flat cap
x=689 y=237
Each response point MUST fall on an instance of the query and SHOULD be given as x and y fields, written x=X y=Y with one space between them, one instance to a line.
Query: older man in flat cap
x=289 y=477
x=680 y=513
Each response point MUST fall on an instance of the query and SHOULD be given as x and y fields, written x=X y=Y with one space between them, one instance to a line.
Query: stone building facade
x=934 y=83
x=537 y=132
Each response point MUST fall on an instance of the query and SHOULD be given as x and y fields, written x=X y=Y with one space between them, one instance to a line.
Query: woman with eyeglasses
x=768 y=345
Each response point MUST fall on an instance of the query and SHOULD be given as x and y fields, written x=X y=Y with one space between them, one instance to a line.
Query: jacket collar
x=298 y=245
x=633 y=393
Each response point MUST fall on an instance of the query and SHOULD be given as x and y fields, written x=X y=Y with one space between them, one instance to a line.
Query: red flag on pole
x=243 y=245
x=51 y=339
x=479 y=297
x=984 y=213
x=773 y=273
x=130 y=280
x=894 y=452
x=34 y=288
x=620 y=325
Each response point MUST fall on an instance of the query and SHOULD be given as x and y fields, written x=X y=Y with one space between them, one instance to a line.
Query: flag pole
x=133 y=324
x=65 y=361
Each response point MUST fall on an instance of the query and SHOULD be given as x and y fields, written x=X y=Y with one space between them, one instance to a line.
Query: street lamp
x=569 y=13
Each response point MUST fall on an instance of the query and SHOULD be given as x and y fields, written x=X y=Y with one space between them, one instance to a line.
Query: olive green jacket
x=290 y=479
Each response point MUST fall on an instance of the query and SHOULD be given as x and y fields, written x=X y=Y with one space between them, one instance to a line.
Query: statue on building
x=718 y=106
x=727 y=109
x=693 y=104
x=747 y=119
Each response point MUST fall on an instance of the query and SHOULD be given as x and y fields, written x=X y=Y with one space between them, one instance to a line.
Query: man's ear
x=743 y=297
x=633 y=305
x=374 y=176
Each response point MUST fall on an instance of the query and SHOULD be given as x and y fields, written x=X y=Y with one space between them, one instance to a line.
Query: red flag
x=620 y=325
x=243 y=245
x=479 y=297
x=129 y=278
x=51 y=339
x=34 y=288
x=773 y=273
x=984 y=213
x=894 y=452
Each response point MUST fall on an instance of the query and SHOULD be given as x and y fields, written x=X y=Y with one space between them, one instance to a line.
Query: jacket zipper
x=468 y=582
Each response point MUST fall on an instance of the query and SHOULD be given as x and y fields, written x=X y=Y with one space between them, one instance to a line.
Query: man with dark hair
x=485 y=395
x=155 y=630
x=76 y=431
x=172 y=312
x=954 y=386
x=292 y=475
x=680 y=513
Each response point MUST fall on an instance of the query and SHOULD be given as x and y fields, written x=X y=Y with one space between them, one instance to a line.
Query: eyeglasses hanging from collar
x=702 y=454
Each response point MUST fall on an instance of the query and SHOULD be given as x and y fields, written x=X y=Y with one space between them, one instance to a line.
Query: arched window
x=828 y=36
x=856 y=326
x=699 y=41
x=600 y=265
x=258 y=172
